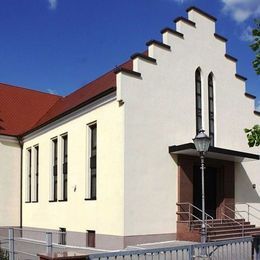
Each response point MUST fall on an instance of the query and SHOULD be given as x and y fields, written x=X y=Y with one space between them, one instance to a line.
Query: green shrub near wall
x=3 y=254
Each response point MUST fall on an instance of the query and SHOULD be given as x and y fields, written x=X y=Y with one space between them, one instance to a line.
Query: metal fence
x=25 y=244
x=238 y=249
x=22 y=247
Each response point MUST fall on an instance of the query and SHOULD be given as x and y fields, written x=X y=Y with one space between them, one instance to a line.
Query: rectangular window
x=198 y=100
x=62 y=236
x=54 y=168
x=29 y=175
x=93 y=161
x=211 y=108
x=91 y=238
x=65 y=167
x=36 y=172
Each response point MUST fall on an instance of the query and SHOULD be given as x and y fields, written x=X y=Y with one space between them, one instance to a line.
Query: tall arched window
x=198 y=100
x=211 y=107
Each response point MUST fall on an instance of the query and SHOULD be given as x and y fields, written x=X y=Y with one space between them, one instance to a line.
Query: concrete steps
x=226 y=229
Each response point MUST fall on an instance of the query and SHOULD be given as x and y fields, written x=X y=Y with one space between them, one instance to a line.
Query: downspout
x=20 y=141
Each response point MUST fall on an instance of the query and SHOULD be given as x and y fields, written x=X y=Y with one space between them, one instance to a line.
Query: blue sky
x=59 y=45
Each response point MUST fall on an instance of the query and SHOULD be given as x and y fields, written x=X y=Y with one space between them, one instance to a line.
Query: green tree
x=253 y=136
x=256 y=46
x=4 y=254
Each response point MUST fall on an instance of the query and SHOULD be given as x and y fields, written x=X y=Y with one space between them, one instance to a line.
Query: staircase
x=223 y=229
x=189 y=225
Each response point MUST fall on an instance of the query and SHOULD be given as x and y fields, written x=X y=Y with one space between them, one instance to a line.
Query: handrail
x=190 y=214
x=235 y=221
x=248 y=213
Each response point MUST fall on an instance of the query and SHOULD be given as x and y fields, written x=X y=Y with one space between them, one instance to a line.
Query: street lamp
x=202 y=142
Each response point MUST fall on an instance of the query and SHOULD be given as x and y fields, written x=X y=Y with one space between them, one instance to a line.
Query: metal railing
x=249 y=210
x=191 y=216
x=21 y=244
x=233 y=220
x=237 y=249
x=246 y=214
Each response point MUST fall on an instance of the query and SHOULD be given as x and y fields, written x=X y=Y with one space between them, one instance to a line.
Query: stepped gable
x=102 y=85
x=21 y=108
x=107 y=83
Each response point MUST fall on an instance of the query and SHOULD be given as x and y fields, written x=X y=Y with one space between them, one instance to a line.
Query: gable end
x=219 y=37
x=240 y=77
x=160 y=44
x=144 y=57
x=230 y=57
x=185 y=20
x=172 y=32
x=212 y=18
x=127 y=71
x=250 y=96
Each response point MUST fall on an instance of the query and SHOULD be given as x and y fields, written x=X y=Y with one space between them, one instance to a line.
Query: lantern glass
x=201 y=142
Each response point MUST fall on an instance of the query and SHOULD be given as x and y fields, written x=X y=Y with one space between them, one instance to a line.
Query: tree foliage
x=253 y=136
x=4 y=254
x=256 y=46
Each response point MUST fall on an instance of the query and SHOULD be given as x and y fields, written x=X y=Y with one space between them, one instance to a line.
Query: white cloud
x=246 y=35
x=53 y=4
x=51 y=91
x=178 y=1
x=241 y=10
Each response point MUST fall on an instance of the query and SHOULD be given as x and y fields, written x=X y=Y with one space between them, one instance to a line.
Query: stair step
x=229 y=238
x=218 y=228
x=219 y=221
x=226 y=225
x=235 y=234
x=232 y=231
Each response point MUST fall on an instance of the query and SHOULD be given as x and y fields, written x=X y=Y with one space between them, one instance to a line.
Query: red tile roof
x=23 y=110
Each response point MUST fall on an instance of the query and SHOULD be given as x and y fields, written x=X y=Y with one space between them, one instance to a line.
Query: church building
x=113 y=163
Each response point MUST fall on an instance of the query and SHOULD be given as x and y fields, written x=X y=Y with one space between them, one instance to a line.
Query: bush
x=4 y=254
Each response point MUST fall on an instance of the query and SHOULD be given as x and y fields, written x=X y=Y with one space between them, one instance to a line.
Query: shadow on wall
x=245 y=193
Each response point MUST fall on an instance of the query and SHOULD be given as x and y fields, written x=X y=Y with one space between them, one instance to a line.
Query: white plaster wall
x=10 y=158
x=104 y=215
x=160 y=111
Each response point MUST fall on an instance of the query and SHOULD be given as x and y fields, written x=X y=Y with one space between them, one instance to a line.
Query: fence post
x=11 y=243
x=48 y=243
x=256 y=246
x=191 y=251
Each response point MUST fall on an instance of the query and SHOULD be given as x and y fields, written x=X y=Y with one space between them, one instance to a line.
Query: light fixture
x=202 y=142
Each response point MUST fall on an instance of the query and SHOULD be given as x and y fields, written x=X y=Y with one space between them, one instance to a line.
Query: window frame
x=36 y=173
x=62 y=236
x=211 y=108
x=54 y=170
x=29 y=175
x=198 y=96
x=64 y=168
x=92 y=162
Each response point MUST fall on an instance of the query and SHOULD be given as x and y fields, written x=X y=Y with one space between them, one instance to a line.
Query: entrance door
x=210 y=190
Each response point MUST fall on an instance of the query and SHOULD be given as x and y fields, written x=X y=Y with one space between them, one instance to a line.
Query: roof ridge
x=35 y=124
x=101 y=76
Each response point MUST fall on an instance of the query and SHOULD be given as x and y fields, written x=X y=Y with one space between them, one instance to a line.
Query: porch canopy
x=214 y=152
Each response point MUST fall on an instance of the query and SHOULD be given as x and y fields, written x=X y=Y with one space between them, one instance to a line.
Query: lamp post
x=202 y=142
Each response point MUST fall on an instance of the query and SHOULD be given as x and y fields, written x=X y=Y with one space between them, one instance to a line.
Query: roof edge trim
x=167 y=29
x=210 y=17
x=102 y=94
x=185 y=20
x=176 y=148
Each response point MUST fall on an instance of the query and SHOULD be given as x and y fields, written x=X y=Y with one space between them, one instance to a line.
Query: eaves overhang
x=214 y=153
